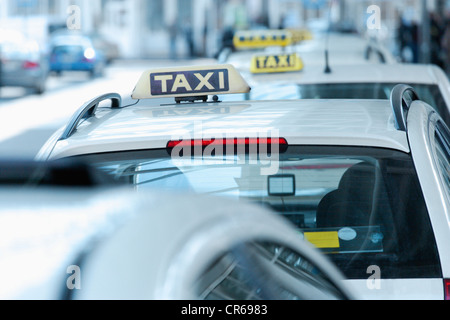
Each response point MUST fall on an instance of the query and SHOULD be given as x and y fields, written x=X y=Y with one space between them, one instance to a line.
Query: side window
x=442 y=152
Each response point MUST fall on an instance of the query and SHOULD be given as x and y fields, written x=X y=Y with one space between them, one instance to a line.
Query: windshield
x=362 y=206
x=428 y=93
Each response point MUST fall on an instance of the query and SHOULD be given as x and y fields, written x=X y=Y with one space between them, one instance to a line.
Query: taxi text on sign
x=190 y=81
x=276 y=63
x=206 y=81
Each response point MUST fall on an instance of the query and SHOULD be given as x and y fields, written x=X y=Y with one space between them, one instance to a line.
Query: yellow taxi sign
x=299 y=35
x=276 y=63
x=190 y=81
x=262 y=38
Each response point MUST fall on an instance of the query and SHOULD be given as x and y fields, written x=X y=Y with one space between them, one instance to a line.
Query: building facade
x=185 y=28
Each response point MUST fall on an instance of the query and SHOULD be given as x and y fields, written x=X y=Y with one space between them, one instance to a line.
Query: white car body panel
x=300 y=122
x=397 y=289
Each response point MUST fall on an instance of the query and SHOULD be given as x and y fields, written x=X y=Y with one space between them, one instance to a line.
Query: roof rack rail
x=88 y=109
x=400 y=105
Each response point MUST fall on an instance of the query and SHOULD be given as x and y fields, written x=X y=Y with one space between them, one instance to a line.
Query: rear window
x=363 y=207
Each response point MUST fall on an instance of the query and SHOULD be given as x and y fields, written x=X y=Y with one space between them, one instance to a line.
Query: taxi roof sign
x=262 y=38
x=276 y=63
x=299 y=35
x=191 y=81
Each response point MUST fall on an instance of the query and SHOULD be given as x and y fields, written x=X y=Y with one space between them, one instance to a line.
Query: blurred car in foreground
x=365 y=180
x=23 y=63
x=86 y=239
x=74 y=52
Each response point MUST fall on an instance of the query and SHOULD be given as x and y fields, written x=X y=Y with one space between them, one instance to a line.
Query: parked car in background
x=75 y=52
x=23 y=63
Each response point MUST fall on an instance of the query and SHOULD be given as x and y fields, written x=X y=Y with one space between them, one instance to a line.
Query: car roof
x=367 y=73
x=308 y=122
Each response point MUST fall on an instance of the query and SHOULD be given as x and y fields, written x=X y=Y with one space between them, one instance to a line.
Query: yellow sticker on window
x=323 y=239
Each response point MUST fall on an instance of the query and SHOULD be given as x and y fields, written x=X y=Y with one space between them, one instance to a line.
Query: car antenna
x=327 y=64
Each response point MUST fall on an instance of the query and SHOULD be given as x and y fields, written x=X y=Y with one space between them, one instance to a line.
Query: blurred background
x=414 y=30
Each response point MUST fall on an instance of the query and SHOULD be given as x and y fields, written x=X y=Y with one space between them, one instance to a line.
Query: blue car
x=76 y=53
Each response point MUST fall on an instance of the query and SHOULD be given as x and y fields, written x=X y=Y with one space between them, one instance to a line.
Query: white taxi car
x=366 y=181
